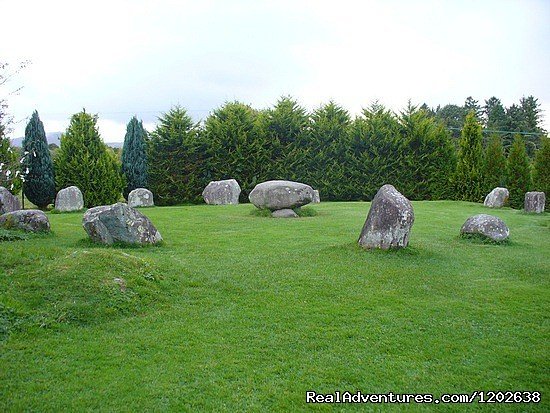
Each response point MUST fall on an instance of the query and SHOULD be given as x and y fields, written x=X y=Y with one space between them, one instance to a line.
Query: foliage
x=37 y=165
x=327 y=155
x=541 y=170
x=235 y=147
x=452 y=117
x=9 y=164
x=430 y=158
x=176 y=154
x=468 y=179
x=518 y=174
x=83 y=160
x=494 y=164
x=134 y=156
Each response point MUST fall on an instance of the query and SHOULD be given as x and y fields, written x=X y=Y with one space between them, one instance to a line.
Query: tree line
x=344 y=157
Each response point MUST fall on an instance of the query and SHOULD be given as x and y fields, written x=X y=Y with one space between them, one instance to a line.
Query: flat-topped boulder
x=275 y=195
x=224 y=192
x=69 y=199
x=30 y=220
x=284 y=213
x=119 y=223
x=8 y=201
x=497 y=198
x=535 y=202
x=140 y=197
x=487 y=226
x=389 y=220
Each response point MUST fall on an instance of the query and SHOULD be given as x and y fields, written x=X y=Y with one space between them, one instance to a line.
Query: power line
x=504 y=131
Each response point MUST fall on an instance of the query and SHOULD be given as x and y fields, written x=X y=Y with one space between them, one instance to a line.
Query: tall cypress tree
x=469 y=185
x=518 y=173
x=134 y=156
x=494 y=164
x=235 y=147
x=37 y=166
x=176 y=154
x=84 y=160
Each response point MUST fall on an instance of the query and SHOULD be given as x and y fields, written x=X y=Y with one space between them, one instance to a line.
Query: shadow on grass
x=15 y=235
x=303 y=212
x=88 y=243
x=482 y=240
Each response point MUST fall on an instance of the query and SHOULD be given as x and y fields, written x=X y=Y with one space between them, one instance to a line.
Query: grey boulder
x=284 y=213
x=535 y=202
x=69 y=199
x=119 y=223
x=487 y=226
x=140 y=197
x=389 y=220
x=316 y=197
x=224 y=192
x=497 y=198
x=275 y=195
x=30 y=220
x=8 y=202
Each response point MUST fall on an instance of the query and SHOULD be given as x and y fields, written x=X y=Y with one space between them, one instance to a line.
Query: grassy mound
x=81 y=287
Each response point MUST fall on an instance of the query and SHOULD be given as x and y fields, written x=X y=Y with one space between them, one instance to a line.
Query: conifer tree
x=518 y=173
x=83 y=160
x=494 y=164
x=36 y=165
x=235 y=147
x=134 y=156
x=469 y=185
x=541 y=170
x=176 y=155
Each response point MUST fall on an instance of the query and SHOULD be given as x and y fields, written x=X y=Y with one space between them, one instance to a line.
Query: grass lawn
x=240 y=312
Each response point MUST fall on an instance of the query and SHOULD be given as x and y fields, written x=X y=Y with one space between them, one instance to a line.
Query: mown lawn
x=236 y=312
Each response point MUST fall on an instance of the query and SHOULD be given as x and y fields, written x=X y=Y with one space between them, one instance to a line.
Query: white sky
x=120 y=58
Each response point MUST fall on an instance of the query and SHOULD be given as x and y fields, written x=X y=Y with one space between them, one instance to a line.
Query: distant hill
x=53 y=137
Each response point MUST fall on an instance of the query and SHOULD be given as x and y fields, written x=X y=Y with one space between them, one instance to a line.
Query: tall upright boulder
x=535 y=202
x=389 y=221
x=8 y=202
x=225 y=192
x=69 y=199
x=497 y=198
x=140 y=197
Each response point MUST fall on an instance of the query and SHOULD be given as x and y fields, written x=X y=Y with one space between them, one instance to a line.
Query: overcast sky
x=121 y=58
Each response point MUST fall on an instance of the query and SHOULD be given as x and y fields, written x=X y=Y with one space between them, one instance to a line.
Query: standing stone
x=487 y=226
x=69 y=199
x=8 y=202
x=275 y=195
x=30 y=220
x=284 y=213
x=140 y=197
x=316 y=197
x=224 y=192
x=119 y=223
x=389 y=221
x=496 y=198
x=535 y=202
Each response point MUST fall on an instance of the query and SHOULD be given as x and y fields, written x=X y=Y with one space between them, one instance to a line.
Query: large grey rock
x=389 y=220
x=69 y=199
x=284 y=213
x=30 y=220
x=140 y=197
x=8 y=202
x=275 y=195
x=316 y=197
x=488 y=226
x=535 y=202
x=497 y=198
x=119 y=223
x=224 y=192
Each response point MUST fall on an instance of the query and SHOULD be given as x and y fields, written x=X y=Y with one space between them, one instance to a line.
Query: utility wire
x=504 y=131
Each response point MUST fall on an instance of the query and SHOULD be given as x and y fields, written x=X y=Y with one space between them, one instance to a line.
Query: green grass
x=237 y=312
